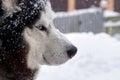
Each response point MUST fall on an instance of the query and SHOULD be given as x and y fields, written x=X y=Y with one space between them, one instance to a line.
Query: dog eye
x=41 y=27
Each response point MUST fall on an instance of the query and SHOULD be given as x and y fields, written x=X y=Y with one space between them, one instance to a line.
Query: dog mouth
x=46 y=61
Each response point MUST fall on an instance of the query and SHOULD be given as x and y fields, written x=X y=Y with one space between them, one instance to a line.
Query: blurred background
x=88 y=16
x=94 y=27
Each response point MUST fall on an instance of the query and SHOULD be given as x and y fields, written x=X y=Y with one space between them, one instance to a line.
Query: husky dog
x=28 y=39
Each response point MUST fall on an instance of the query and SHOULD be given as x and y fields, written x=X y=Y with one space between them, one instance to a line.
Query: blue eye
x=41 y=27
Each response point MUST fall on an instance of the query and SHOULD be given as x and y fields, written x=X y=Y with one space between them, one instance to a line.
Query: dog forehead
x=47 y=15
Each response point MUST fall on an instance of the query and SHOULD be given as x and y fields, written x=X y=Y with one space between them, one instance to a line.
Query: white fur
x=46 y=48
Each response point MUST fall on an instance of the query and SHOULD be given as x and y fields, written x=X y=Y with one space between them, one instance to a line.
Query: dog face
x=47 y=44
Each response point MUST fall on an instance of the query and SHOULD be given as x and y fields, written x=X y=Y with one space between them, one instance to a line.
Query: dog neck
x=13 y=64
x=16 y=76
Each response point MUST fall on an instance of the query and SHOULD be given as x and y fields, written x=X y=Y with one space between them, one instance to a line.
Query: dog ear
x=9 y=5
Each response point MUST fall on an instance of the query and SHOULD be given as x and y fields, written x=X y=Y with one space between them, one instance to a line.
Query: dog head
x=47 y=44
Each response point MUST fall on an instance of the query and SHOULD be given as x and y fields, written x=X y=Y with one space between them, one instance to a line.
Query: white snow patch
x=112 y=24
x=77 y=12
x=98 y=58
x=103 y=3
x=110 y=13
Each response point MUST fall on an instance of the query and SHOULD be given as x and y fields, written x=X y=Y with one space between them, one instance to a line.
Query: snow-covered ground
x=98 y=58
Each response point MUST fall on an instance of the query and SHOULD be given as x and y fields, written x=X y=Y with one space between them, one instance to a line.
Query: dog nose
x=72 y=51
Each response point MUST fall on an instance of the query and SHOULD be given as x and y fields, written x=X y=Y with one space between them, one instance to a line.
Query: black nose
x=72 y=51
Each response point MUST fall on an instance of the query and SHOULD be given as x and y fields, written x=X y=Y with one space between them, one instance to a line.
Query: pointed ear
x=9 y=5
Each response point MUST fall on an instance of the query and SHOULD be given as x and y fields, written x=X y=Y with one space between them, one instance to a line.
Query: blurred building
x=63 y=5
x=67 y=5
x=59 y=5
x=117 y=5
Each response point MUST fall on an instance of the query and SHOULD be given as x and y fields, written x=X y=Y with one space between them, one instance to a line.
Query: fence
x=88 y=20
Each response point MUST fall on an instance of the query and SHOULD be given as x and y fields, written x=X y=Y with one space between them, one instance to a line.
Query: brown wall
x=59 y=5
x=86 y=3
x=117 y=5
x=62 y=5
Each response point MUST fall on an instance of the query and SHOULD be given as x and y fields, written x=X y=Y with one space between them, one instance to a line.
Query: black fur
x=1 y=10
x=14 y=49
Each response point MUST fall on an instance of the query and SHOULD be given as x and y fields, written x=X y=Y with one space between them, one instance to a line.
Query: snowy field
x=98 y=58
